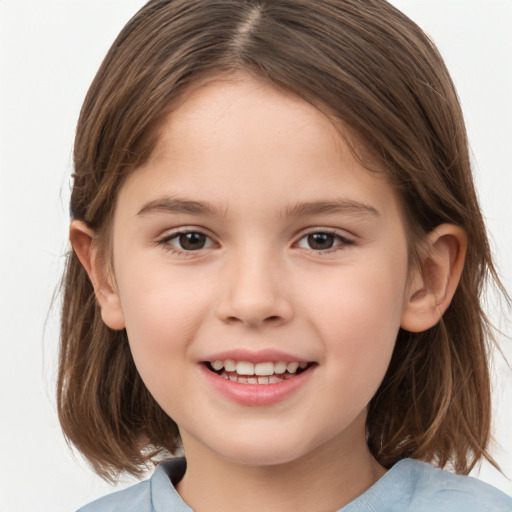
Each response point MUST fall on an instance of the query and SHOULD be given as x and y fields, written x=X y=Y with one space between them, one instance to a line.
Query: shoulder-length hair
x=366 y=65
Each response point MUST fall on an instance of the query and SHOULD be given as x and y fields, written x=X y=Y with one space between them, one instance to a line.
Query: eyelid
x=342 y=236
x=345 y=239
x=171 y=234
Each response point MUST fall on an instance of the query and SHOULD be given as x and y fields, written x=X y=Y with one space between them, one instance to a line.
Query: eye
x=322 y=241
x=187 y=241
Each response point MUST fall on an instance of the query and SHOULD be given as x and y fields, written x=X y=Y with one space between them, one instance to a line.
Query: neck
x=324 y=480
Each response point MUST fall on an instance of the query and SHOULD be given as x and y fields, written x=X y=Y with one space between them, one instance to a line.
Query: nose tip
x=255 y=299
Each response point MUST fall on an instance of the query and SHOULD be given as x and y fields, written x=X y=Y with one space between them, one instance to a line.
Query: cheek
x=358 y=317
x=359 y=301
x=162 y=314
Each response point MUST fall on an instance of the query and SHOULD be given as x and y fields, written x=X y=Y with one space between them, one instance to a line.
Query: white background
x=50 y=51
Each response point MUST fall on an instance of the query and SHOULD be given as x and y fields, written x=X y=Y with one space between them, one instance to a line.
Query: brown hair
x=366 y=64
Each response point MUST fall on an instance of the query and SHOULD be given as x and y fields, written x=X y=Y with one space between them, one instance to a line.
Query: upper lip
x=255 y=356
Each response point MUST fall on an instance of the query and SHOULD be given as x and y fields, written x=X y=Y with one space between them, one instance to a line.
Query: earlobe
x=82 y=240
x=433 y=286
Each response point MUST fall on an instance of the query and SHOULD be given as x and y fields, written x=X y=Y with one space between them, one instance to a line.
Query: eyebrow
x=310 y=208
x=175 y=205
x=337 y=206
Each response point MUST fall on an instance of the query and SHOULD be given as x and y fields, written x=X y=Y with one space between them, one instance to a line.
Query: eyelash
x=343 y=241
x=165 y=242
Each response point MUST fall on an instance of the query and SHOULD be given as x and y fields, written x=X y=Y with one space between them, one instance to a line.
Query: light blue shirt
x=409 y=486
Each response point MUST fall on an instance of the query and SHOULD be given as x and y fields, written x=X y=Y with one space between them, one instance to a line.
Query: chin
x=267 y=451
x=258 y=457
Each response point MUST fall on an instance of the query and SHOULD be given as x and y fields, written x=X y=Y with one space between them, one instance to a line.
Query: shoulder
x=154 y=495
x=136 y=498
x=435 y=489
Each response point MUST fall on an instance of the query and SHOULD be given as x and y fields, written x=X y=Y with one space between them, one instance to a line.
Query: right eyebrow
x=169 y=204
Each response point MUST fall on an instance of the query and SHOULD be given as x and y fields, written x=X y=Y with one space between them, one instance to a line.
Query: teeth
x=273 y=379
x=230 y=365
x=267 y=372
x=292 y=367
x=280 y=367
x=244 y=368
x=264 y=369
x=217 y=365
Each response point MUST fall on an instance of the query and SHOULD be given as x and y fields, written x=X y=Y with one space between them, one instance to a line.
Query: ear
x=433 y=285
x=82 y=239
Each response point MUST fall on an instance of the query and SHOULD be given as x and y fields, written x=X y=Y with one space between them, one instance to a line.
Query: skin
x=253 y=154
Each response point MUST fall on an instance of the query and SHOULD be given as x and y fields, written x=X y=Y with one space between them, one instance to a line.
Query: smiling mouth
x=245 y=372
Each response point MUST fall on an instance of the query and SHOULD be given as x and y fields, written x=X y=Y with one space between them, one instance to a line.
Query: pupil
x=192 y=241
x=321 y=241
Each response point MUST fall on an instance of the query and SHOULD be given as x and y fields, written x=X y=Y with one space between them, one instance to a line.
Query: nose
x=254 y=293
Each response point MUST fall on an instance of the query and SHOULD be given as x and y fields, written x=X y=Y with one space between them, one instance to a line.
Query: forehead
x=236 y=107
x=239 y=141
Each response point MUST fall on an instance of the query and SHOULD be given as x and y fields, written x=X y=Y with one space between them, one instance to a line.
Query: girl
x=278 y=258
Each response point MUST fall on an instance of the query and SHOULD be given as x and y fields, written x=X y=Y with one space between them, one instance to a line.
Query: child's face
x=299 y=255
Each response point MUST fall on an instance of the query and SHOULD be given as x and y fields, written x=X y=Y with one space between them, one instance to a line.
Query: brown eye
x=191 y=241
x=321 y=241
x=186 y=241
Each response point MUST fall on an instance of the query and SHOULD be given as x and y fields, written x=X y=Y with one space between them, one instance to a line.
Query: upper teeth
x=261 y=369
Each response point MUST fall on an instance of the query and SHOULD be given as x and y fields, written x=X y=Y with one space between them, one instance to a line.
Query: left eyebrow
x=340 y=206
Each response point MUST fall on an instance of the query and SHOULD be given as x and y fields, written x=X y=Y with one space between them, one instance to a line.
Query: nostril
x=270 y=319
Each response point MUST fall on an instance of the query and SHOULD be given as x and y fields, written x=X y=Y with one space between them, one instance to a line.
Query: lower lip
x=256 y=394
